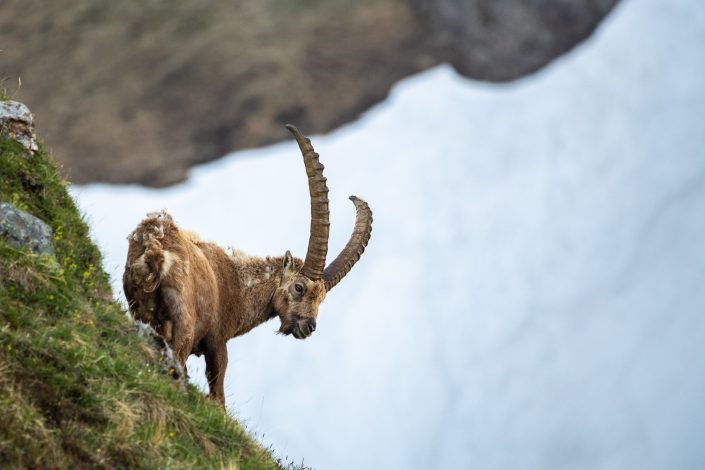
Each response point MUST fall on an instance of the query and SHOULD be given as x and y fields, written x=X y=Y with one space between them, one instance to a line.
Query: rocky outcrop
x=17 y=123
x=139 y=92
x=18 y=227
x=23 y=230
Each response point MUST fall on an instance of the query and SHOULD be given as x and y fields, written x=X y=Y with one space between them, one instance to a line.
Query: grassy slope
x=77 y=388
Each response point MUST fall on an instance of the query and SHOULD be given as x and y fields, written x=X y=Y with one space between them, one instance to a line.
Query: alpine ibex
x=198 y=296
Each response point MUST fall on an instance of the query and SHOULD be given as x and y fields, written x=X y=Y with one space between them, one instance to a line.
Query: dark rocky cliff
x=140 y=91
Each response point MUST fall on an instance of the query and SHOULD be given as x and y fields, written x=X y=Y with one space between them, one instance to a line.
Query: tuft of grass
x=78 y=389
x=4 y=94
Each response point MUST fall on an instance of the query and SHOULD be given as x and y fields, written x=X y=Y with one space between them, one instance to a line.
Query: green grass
x=4 y=94
x=78 y=389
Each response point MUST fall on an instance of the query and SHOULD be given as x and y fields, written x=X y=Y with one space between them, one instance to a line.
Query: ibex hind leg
x=175 y=326
x=167 y=330
x=216 y=362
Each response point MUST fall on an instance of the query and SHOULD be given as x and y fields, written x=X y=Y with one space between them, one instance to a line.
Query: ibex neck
x=259 y=280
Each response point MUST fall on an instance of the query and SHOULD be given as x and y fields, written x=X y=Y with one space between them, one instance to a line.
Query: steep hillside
x=78 y=388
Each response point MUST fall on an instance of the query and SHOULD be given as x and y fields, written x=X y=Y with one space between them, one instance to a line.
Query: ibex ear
x=288 y=262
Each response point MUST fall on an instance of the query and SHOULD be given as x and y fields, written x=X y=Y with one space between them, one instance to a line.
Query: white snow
x=533 y=295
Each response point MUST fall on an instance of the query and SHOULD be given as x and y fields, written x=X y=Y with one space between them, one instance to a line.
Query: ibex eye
x=299 y=288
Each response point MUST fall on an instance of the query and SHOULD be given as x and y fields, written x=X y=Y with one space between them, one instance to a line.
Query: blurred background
x=138 y=92
x=532 y=293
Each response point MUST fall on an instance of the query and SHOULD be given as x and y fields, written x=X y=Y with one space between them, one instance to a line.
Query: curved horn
x=318 y=239
x=355 y=247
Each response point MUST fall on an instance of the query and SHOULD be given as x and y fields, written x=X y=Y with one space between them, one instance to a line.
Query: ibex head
x=302 y=290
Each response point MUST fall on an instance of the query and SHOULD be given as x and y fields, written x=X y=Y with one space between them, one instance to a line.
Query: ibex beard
x=198 y=296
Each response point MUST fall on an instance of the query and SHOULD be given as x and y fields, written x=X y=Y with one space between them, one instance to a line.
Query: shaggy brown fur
x=197 y=296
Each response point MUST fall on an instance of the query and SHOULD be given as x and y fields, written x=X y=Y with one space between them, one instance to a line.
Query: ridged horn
x=355 y=247
x=318 y=239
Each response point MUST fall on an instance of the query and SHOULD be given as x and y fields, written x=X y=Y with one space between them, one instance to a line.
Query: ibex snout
x=299 y=327
x=304 y=328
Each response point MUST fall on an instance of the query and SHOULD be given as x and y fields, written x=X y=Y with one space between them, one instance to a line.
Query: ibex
x=198 y=296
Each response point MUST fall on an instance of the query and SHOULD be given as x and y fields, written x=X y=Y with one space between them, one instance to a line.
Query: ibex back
x=198 y=296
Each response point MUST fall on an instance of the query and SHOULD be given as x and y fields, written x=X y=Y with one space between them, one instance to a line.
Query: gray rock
x=165 y=355
x=500 y=40
x=17 y=123
x=23 y=230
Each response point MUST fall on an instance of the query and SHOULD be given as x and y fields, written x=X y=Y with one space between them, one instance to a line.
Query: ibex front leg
x=216 y=361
